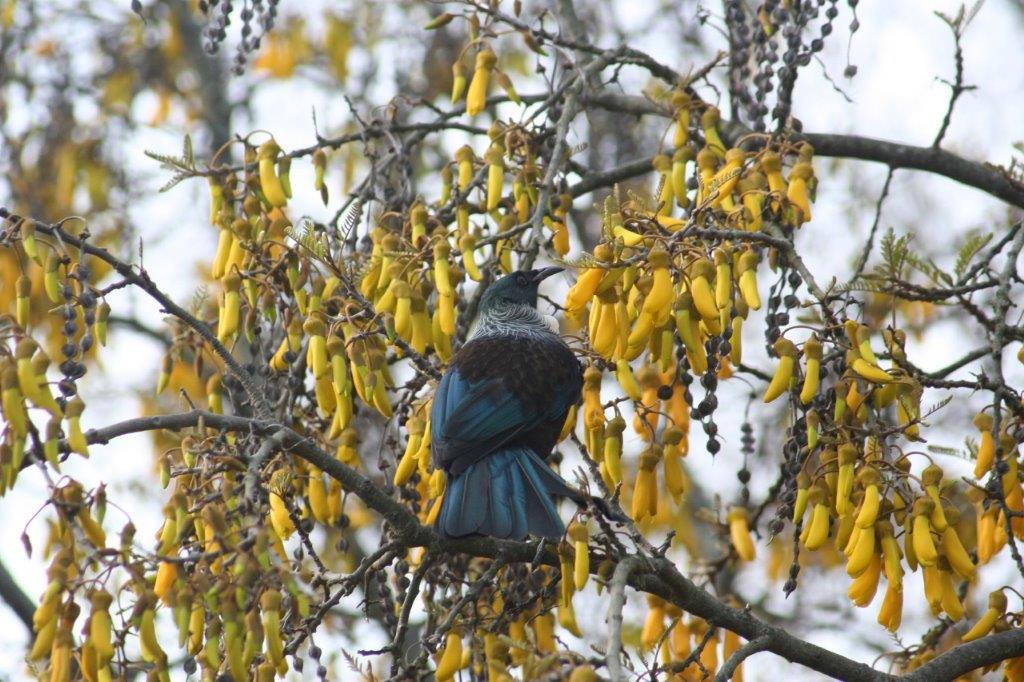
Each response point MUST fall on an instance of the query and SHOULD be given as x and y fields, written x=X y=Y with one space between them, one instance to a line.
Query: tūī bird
x=497 y=415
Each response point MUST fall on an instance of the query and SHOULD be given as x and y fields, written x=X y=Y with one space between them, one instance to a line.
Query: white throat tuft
x=515 y=320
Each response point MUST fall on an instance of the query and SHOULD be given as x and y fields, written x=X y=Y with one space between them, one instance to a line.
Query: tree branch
x=651 y=574
x=744 y=652
x=985 y=177
x=142 y=280
x=20 y=603
x=967 y=657
x=210 y=74
x=865 y=253
x=140 y=328
x=616 y=602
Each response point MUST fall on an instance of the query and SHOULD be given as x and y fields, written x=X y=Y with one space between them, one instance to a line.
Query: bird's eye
x=521 y=279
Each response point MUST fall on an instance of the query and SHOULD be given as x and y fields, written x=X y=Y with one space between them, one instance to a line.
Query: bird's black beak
x=544 y=273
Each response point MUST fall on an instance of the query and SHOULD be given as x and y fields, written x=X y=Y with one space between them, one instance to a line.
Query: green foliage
x=183 y=167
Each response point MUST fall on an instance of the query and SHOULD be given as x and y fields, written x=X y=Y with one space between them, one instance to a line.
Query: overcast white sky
x=901 y=49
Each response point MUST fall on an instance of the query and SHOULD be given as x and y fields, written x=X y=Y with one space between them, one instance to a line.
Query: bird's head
x=515 y=289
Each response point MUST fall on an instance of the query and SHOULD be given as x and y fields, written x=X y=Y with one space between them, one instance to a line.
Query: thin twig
x=869 y=244
x=616 y=602
x=747 y=650
x=957 y=87
x=142 y=280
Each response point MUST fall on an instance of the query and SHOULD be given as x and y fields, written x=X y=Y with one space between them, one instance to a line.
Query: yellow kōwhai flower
x=797 y=191
x=581 y=554
x=739 y=533
x=271 y=185
x=987 y=445
x=995 y=611
x=476 y=98
x=924 y=546
x=812 y=356
x=709 y=123
x=786 y=351
x=817 y=530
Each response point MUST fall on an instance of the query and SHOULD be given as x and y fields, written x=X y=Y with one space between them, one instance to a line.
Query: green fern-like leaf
x=175 y=179
x=894 y=253
x=198 y=301
x=355 y=214
x=928 y=268
x=611 y=215
x=639 y=203
x=583 y=261
x=186 y=151
x=184 y=166
x=936 y=407
x=898 y=257
x=969 y=250
x=870 y=283
x=166 y=159
x=310 y=239
x=945 y=450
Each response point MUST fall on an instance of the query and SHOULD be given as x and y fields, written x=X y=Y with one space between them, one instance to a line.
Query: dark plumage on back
x=497 y=414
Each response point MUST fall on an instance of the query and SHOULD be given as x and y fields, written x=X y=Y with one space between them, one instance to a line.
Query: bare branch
x=20 y=603
x=869 y=243
x=957 y=87
x=616 y=602
x=744 y=652
x=985 y=177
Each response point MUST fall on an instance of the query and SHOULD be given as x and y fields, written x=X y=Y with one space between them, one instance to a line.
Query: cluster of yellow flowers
x=24 y=385
x=676 y=636
x=217 y=619
x=658 y=298
x=636 y=306
x=649 y=282
x=738 y=191
x=528 y=641
x=653 y=280
x=54 y=620
x=406 y=289
x=870 y=494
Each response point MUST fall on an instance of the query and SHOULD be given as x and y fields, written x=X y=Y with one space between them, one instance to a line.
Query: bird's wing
x=469 y=420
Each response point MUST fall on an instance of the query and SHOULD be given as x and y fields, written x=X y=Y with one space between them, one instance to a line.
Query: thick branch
x=140 y=328
x=980 y=175
x=399 y=516
x=15 y=597
x=210 y=74
x=987 y=178
x=652 y=574
x=967 y=657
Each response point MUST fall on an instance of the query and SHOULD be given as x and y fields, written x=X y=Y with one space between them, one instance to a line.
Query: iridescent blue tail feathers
x=506 y=495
